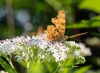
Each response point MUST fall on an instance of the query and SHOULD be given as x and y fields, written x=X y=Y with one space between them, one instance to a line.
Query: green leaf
x=23 y=63
x=83 y=69
x=68 y=65
x=56 y=4
x=35 y=67
x=93 y=5
x=49 y=67
x=85 y=24
x=96 y=34
x=7 y=67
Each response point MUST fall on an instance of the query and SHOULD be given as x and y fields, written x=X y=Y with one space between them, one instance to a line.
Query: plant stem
x=11 y=64
x=28 y=65
x=9 y=60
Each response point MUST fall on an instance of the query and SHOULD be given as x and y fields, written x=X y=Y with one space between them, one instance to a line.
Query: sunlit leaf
x=93 y=5
x=83 y=69
x=95 y=22
x=68 y=65
x=57 y=5
x=35 y=67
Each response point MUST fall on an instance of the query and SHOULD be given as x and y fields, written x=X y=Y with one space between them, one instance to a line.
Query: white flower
x=5 y=46
x=72 y=44
x=42 y=43
x=84 y=51
x=38 y=41
x=19 y=58
x=59 y=51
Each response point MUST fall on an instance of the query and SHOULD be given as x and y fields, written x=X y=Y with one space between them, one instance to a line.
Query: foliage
x=91 y=5
x=94 y=22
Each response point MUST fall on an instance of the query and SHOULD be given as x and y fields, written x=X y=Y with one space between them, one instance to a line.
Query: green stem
x=9 y=60
x=28 y=65
x=28 y=53
x=11 y=64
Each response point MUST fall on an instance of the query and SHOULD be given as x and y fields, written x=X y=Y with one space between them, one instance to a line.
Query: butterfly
x=56 y=32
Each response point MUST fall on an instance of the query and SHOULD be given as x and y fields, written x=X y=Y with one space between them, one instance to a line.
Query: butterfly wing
x=52 y=33
x=60 y=22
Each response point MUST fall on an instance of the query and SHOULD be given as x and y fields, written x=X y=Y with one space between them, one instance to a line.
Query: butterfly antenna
x=76 y=35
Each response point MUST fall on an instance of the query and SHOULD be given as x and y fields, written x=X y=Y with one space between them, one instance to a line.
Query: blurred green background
x=24 y=17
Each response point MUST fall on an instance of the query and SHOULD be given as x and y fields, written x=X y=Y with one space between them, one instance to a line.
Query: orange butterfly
x=56 y=33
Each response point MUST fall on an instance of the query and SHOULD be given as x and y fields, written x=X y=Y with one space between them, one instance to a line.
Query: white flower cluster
x=37 y=47
x=84 y=51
